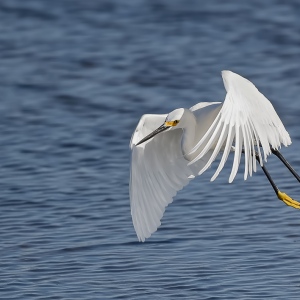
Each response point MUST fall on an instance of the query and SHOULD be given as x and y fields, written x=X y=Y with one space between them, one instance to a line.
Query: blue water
x=75 y=77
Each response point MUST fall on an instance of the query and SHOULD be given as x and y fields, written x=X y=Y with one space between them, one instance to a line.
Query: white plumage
x=188 y=141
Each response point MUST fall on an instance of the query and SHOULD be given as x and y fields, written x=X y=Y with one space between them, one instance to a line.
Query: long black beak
x=152 y=134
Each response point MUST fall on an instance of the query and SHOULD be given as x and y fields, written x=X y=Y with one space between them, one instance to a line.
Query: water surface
x=75 y=77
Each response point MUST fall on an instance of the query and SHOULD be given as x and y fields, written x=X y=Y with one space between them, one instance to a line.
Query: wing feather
x=252 y=122
x=158 y=172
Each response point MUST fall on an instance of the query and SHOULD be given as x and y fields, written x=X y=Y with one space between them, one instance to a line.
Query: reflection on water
x=75 y=77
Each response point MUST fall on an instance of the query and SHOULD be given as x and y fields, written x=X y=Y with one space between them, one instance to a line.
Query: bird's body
x=171 y=149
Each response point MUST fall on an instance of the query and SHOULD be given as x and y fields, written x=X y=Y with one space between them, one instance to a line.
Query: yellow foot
x=288 y=200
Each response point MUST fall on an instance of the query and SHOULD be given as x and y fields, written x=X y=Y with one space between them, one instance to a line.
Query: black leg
x=285 y=162
x=281 y=196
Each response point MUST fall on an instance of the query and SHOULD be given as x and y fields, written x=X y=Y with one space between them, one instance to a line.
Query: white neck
x=188 y=138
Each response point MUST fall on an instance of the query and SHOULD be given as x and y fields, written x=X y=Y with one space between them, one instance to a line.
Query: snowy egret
x=171 y=149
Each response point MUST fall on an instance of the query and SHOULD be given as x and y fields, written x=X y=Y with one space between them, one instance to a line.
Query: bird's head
x=172 y=121
x=173 y=118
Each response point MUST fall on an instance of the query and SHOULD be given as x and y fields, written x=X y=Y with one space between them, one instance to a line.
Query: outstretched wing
x=158 y=172
x=246 y=120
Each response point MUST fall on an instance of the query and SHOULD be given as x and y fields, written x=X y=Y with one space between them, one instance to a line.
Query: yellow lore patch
x=171 y=123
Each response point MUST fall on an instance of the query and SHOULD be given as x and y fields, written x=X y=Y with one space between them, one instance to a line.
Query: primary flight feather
x=171 y=149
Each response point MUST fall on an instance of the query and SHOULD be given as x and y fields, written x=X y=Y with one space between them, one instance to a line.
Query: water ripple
x=75 y=77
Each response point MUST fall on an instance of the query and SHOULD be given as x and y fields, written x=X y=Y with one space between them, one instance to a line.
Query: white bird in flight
x=169 y=150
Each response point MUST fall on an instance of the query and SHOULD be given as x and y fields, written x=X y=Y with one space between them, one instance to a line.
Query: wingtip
x=226 y=73
x=141 y=239
x=223 y=72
